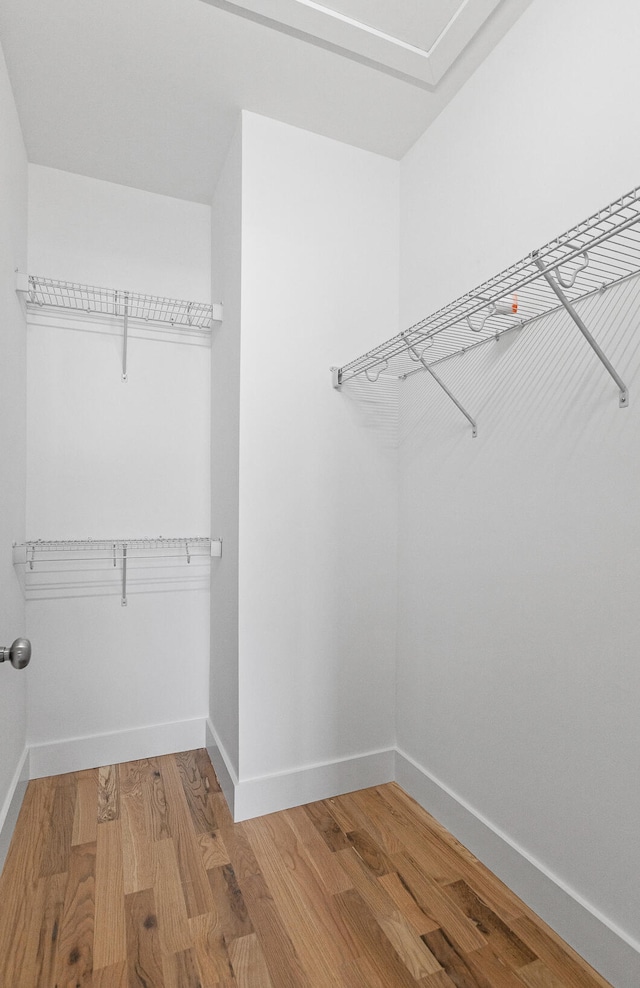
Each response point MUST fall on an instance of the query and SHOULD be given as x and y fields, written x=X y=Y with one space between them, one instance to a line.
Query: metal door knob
x=18 y=654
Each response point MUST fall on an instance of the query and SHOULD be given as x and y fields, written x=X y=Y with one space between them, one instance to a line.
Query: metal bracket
x=125 y=339
x=123 y=599
x=555 y=288
x=22 y=282
x=372 y=378
x=336 y=376
x=417 y=356
x=571 y=280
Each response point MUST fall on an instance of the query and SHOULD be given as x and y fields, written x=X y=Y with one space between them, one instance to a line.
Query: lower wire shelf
x=92 y=567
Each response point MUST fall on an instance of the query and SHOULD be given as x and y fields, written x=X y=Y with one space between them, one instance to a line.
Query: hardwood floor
x=135 y=876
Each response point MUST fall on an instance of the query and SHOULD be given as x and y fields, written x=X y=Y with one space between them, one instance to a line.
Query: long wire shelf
x=197 y=317
x=91 y=547
x=597 y=253
x=115 y=302
x=113 y=553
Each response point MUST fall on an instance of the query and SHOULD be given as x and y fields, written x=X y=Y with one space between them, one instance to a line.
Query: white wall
x=99 y=233
x=519 y=578
x=13 y=250
x=226 y=233
x=317 y=541
x=113 y=459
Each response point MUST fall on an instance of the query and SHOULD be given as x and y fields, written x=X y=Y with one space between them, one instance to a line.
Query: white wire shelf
x=595 y=254
x=115 y=302
x=86 y=556
x=92 y=548
x=187 y=316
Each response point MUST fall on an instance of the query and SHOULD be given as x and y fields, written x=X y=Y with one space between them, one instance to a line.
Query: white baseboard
x=248 y=798
x=270 y=793
x=222 y=766
x=12 y=803
x=75 y=754
x=610 y=950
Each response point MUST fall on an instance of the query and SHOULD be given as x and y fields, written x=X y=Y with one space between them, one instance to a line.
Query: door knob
x=19 y=654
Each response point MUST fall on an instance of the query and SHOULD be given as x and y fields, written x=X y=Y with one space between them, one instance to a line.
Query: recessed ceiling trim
x=331 y=28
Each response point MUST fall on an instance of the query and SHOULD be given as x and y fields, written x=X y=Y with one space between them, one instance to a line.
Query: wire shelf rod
x=610 y=242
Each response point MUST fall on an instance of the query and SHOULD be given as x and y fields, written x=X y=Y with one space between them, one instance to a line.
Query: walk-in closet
x=319 y=542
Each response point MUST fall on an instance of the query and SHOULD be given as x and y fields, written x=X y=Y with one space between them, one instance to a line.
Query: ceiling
x=147 y=93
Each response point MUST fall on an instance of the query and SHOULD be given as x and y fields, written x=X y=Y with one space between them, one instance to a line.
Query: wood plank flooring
x=135 y=876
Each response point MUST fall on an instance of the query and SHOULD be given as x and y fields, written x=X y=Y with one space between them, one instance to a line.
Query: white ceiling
x=147 y=93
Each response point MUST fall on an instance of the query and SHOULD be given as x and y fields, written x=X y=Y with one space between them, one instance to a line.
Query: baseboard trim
x=12 y=803
x=610 y=950
x=222 y=765
x=75 y=754
x=270 y=793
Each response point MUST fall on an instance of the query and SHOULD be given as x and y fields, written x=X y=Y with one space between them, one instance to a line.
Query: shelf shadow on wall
x=535 y=380
x=374 y=404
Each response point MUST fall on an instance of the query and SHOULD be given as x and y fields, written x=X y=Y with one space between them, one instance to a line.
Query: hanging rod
x=597 y=253
x=30 y=552
x=126 y=305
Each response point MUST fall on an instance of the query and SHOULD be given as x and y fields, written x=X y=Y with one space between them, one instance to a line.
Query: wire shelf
x=595 y=254
x=108 y=545
x=115 y=302
x=86 y=567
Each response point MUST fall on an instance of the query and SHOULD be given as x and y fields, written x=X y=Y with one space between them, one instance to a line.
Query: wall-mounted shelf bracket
x=564 y=301
x=125 y=338
x=123 y=599
x=420 y=359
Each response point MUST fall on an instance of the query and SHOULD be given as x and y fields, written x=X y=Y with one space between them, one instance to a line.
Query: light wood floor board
x=135 y=876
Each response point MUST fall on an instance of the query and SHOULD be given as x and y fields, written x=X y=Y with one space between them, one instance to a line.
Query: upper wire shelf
x=154 y=546
x=597 y=253
x=115 y=302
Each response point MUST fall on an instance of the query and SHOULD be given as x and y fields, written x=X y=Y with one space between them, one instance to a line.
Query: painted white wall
x=109 y=459
x=518 y=633
x=13 y=250
x=317 y=538
x=226 y=258
x=100 y=233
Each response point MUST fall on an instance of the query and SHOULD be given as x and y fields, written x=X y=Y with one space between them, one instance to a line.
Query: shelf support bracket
x=555 y=288
x=123 y=599
x=418 y=356
x=125 y=338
